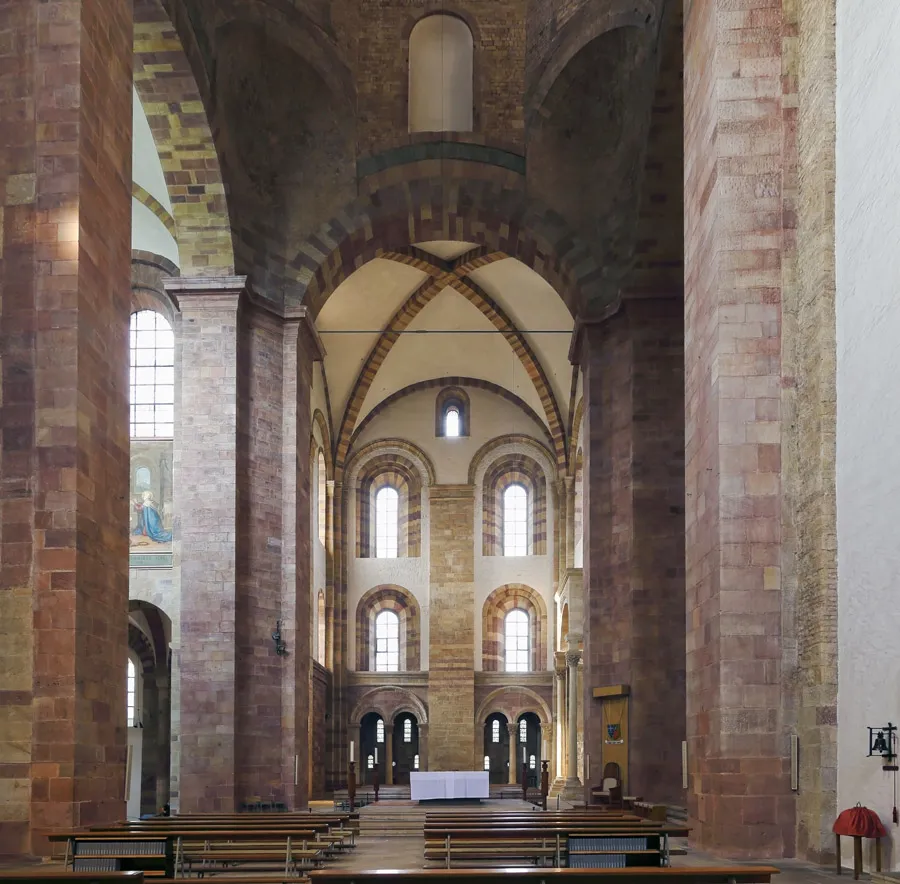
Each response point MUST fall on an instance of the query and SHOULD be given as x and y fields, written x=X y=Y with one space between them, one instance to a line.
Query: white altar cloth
x=429 y=785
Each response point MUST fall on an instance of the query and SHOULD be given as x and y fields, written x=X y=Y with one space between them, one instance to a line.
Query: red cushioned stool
x=858 y=822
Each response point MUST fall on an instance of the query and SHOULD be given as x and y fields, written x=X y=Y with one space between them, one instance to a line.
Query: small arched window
x=487 y=762
x=416 y=762
x=387 y=644
x=515 y=521
x=379 y=731
x=370 y=762
x=441 y=75
x=131 y=694
x=152 y=382
x=523 y=730
x=451 y=422
x=495 y=730
x=407 y=730
x=531 y=762
x=387 y=505
x=517 y=641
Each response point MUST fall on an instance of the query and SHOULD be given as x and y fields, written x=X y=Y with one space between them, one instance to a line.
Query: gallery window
x=387 y=503
x=517 y=641
x=152 y=380
x=387 y=644
x=515 y=521
x=441 y=75
x=451 y=413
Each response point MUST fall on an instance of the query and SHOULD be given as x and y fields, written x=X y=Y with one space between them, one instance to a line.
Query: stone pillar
x=569 y=483
x=65 y=195
x=739 y=171
x=423 y=747
x=546 y=737
x=388 y=754
x=265 y=554
x=573 y=787
x=634 y=538
x=560 y=672
x=451 y=679
x=514 y=760
x=205 y=543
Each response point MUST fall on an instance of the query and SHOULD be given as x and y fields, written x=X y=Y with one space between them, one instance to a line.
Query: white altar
x=431 y=785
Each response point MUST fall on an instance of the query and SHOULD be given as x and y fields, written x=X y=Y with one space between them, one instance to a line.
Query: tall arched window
x=515 y=521
x=517 y=641
x=495 y=730
x=387 y=503
x=523 y=730
x=320 y=627
x=152 y=385
x=131 y=694
x=387 y=643
x=321 y=479
x=441 y=90
x=451 y=422
x=407 y=730
x=379 y=731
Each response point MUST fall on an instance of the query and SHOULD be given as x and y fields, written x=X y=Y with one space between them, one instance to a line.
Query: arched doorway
x=496 y=747
x=406 y=747
x=371 y=738
x=528 y=747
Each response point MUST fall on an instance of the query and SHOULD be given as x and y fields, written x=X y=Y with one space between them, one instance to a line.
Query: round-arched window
x=387 y=513
x=515 y=521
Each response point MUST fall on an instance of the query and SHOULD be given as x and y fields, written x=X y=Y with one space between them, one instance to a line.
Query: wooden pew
x=57 y=875
x=665 y=875
x=549 y=841
x=287 y=851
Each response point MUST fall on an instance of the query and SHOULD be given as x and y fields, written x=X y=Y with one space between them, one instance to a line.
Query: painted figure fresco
x=151 y=498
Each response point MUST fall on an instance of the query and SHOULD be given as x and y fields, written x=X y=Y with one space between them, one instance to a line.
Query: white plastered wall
x=868 y=403
x=412 y=419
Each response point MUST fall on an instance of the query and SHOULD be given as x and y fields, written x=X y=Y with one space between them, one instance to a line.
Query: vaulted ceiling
x=446 y=310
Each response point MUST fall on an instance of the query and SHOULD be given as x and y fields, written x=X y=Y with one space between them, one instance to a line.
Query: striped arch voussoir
x=388 y=598
x=174 y=106
x=497 y=605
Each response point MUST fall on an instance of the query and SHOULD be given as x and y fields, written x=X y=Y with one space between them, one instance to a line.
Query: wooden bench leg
x=857 y=856
x=837 y=853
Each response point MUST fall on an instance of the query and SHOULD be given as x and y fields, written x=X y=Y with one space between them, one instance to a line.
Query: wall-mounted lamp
x=280 y=646
x=881 y=742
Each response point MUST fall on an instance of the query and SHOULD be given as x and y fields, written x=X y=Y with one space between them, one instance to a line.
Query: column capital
x=586 y=325
x=210 y=292
x=573 y=658
x=512 y=727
